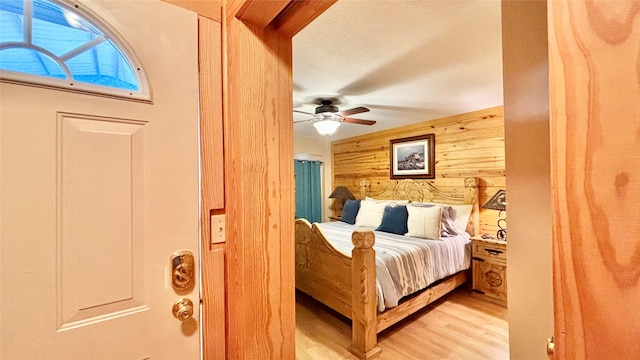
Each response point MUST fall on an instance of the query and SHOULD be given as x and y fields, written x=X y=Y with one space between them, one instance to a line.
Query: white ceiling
x=407 y=61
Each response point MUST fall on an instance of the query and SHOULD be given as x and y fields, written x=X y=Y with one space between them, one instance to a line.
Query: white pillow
x=424 y=222
x=461 y=214
x=370 y=213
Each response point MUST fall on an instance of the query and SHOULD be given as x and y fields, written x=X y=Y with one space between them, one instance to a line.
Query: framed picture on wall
x=413 y=157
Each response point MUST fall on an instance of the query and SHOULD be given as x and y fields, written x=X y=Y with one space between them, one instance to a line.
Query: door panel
x=106 y=154
x=96 y=194
x=595 y=71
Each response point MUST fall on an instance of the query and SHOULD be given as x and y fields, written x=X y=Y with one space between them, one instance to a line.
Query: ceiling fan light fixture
x=327 y=117
x=326 y=127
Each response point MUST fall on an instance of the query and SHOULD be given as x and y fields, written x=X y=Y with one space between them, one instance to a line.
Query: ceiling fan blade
x=353 y=111
x=303 y=112
x=301 y=121
x=358 y=121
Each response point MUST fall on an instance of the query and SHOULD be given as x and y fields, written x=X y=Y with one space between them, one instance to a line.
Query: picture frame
x=413 y=157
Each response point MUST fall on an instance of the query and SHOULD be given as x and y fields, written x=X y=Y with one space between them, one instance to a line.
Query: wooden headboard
x=425 y=191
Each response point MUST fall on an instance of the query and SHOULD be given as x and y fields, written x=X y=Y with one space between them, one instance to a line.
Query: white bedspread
x=404 y=264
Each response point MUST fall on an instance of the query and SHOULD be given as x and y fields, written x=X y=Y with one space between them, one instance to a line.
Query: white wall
x=526 y=114
x=319 y=150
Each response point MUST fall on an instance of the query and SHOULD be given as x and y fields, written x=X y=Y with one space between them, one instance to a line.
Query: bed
x=346 y=280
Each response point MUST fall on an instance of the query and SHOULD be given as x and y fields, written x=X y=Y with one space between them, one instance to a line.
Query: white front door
x=96 y=194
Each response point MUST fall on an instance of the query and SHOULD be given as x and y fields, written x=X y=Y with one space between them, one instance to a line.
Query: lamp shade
x=343 y=193
x=326 y=127
x=497 y=201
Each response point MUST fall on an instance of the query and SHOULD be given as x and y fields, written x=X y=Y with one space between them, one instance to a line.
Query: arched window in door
x=62 y=44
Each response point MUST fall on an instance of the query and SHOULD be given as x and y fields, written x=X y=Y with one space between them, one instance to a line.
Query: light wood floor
x=459 y=326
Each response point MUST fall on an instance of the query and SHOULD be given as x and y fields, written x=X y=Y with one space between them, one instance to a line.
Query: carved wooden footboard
x=347 y=282
x=322 y=271
x=344 y=283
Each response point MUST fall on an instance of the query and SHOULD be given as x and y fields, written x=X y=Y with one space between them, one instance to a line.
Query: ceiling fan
x=327 y=117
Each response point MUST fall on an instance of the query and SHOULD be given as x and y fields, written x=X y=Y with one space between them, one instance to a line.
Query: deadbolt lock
x=182 y=265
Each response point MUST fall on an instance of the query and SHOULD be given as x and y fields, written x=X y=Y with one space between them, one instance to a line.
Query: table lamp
x=342 y=193
x=499 y=202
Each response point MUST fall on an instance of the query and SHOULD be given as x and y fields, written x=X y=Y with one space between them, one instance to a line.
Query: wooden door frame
x=526 y=76
x=256 y=197
x=593 y=57
x=255 y=309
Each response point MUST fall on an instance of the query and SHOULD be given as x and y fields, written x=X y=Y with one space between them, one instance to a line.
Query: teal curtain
x=308 y=190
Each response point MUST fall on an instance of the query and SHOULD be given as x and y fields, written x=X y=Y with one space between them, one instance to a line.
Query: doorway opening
x=381 y=78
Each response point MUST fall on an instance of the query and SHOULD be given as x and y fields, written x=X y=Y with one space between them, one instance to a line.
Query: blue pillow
x=394 y=220
x=350 y=211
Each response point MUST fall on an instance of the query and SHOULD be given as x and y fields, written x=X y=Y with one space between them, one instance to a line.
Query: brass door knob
x=183 y=309
x=551 y=347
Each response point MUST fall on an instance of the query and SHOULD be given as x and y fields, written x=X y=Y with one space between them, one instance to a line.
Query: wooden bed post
x=472 y=196
x=364 y=184
x=364 y=341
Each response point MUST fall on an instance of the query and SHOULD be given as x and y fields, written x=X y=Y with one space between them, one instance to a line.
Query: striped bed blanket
x=405 y=264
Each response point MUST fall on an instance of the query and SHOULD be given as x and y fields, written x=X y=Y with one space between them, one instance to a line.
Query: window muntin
x=32 y=62
x=55 y=43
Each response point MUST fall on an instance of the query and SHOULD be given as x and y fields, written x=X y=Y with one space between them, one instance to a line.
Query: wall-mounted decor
x=413 y=157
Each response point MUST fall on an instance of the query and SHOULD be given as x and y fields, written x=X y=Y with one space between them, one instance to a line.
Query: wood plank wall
x=470 y=144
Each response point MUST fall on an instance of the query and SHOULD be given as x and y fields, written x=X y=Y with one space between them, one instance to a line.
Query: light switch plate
x=218 y=229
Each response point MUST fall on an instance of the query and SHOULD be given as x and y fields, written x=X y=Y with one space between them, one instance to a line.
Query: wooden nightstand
x=335 y=218
x=489 y=268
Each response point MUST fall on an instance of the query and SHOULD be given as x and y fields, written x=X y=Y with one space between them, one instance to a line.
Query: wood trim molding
x=211 y=9
x=212 y=186
x=213 y=307
x=287 y=17
x=232 y=8
x=299 y=14
x=211 y=125
x=257 y=12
